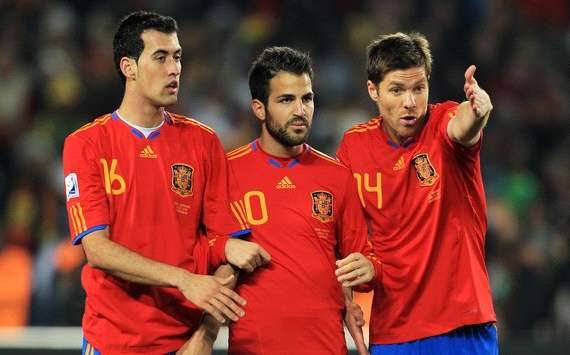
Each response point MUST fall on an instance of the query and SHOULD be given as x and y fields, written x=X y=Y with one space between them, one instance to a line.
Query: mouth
x=408 y=120
x=297 y=124
x=172 y=87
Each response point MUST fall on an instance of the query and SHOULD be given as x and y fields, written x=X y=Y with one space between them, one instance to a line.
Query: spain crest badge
x=322 y=206
x=424 y=170
x=182 y=179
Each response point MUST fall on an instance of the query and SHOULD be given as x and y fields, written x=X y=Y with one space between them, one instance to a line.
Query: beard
x=281 y=134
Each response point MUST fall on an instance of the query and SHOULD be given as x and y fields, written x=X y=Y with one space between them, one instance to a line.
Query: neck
x=272 y=147
x=139 y=112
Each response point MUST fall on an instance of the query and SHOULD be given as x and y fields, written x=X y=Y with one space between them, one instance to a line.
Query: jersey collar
x=278 y=162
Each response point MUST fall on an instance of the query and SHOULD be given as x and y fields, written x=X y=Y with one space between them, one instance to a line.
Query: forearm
x=466 y=127
x=209 y=327
x=347 y=293
x=117 y=260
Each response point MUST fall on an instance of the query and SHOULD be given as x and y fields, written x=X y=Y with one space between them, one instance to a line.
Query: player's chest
x=288 y=199
x=146 y=166
x=397 y=176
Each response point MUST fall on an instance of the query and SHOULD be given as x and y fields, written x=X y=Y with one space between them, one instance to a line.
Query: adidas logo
x=285 y=183
x=399 y=164
x=147 y=152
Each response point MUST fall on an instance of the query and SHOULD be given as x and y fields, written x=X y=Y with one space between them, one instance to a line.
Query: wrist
x=179 y=277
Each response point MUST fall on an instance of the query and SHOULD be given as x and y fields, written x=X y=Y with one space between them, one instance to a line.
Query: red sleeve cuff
x=217 y=250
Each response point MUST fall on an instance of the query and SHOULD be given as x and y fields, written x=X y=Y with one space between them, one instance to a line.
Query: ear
x=258 y=109
x=372 y=90
x=128 y=68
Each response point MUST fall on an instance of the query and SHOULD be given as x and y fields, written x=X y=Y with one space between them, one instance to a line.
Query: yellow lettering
x=260 y=197
x=363 y=181
x=110 y=177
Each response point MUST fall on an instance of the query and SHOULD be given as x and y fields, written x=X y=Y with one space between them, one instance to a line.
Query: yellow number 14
x=363 y=181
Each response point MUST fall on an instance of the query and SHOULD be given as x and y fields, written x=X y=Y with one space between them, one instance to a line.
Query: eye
x=160 y=59
x=307 y=99
x=178 y=57
x=419 y=89
x=286 y=100
x=396 y=91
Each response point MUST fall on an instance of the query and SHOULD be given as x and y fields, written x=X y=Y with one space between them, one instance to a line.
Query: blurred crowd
x=57 y=73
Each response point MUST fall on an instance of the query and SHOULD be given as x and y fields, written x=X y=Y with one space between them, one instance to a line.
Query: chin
x=169 y=102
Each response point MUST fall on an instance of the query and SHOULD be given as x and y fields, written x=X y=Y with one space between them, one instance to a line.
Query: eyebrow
x=401 y=83
x=164 y=51
x=288 y=95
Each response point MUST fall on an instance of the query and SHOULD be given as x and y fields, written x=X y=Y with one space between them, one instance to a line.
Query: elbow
x=93 y=258
x=93 y=248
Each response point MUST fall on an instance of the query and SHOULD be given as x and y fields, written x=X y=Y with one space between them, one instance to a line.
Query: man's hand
x=355 y=269
x=245 y=255
x=477 y=97
x=354 y=320
x=211 y=294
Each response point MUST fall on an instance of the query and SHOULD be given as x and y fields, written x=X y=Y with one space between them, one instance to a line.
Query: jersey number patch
x=114 y=183
x=363 y=184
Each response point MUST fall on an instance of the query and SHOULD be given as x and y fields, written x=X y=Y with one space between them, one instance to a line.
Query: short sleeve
x=219 y=222
x=353 y=231
x=87 y=206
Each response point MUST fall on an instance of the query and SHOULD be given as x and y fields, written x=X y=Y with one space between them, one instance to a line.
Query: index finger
x=350 y=258
x=234 y=296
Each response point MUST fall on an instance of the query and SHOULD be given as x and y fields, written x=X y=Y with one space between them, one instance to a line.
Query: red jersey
x=426 y=208
x=304 y=211
x=158 y=196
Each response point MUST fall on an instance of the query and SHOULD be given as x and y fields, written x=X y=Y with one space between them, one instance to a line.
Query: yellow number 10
x=363 y=180
x=247 y=199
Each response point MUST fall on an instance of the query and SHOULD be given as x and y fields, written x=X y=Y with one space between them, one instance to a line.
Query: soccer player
x=303 y=209
x=147 y=199
x=418 y=176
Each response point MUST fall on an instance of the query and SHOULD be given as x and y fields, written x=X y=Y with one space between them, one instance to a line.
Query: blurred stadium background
x=57 y=73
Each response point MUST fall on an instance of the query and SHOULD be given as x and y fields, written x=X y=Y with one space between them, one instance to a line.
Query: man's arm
x=202 y=341
x=472 y=115
x=354 y=320
x=209 y=293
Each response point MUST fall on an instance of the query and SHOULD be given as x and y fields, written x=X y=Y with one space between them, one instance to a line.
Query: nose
x=300 y=108
x=174 y=67
x=409 y=101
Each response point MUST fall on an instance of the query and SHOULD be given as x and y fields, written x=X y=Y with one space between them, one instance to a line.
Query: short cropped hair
x=128 y=41
x=272 y=61
x=397 y=51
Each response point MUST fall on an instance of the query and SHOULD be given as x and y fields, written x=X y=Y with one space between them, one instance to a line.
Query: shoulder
x=239 y=153
x=326 y=160
x=91 y=131
x=93 y=127
x=360 y=132
x=439 y=109
x=190 y=124
x=363 y=128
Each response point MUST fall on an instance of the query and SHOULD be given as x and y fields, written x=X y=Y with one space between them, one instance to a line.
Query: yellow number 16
x=111 y=176
x=363 y=181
